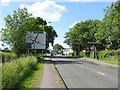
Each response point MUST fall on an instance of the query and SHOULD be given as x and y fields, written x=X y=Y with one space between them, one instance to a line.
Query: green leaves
x=110 y=27
x=95 y=32
x=18 y=24
x=58 y=47
x=15 y=72
x=82 y=33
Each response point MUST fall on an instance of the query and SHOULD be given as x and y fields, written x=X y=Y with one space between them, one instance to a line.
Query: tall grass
x=0 y=75
x=7 y=56
x=14 y=72
x=33 y=80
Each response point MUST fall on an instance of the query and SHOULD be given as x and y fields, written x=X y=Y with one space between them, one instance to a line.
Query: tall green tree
x=51 y=34
x=14 y=34
x=95 y=32
x=109 y=30
x=58 y=47
x=81 y=36
x=18 y=24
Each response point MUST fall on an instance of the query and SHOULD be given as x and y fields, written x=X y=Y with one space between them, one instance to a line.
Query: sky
x=63 y=14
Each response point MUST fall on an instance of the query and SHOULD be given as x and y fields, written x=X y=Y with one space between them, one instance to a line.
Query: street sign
x=36 y=40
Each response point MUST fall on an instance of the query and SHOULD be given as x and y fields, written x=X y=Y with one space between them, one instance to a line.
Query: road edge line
x=61 y=77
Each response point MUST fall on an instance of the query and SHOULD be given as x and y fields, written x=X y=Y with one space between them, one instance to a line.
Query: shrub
x=70 y=54
x=108 y=54
x=84 y=54
x=7 y=56
x=15 y=71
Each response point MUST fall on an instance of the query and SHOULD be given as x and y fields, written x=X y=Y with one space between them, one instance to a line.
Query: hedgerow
x=102 y=54
x=108 y=54
x=14 y=72
x=7 y=56
x=84 y=54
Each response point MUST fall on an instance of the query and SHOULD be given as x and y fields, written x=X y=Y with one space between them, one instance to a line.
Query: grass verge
x=110 y=61
x=33 y=80
x=24 y=72
x=15 y=71
x=107 y=60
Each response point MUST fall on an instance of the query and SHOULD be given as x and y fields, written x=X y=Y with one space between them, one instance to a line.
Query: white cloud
x=48 y=10
x=5 y=2
x=72 y=25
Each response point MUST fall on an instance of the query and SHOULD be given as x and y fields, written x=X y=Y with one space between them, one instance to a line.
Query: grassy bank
x=111 y=61
x=33 y=80
x=17 y=71
x=107 y=56
x=0 y=75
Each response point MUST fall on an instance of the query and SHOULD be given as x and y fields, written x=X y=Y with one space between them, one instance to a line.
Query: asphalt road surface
x=78 y=73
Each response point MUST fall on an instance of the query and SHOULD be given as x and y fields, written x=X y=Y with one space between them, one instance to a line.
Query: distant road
x=83 y=74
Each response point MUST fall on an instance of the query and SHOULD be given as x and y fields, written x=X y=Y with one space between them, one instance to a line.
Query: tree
x=51 y=34
x=14 y=34
x=97 y=33
x=109 y=30
x=81 y=36
x=58 y=47
x=18 y=24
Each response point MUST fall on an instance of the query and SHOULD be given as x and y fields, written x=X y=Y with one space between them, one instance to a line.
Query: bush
x=70 y=54
x=73 y=54
x=7 y=56
x=108 y=54
x=84 y=54
x=14 y=72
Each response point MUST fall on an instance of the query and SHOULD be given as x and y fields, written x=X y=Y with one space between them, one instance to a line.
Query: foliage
x=58 y=47
x=82 y=35
x=0 y=75
x=16 y=71
x=108 y=54
x=84 y=54
x=60 y=52
x=109 y=29
x=18 y=24
x=111 y=54
x=103 y=34
x=73 y=54
x=15 y=31
x=7 y=56
x=70 y=54
x=51 y=34
x=33 y=80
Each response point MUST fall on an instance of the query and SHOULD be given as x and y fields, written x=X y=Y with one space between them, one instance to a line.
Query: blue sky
x=62 y=14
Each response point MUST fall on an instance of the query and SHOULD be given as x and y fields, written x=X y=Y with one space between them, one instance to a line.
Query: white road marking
x=101 y=73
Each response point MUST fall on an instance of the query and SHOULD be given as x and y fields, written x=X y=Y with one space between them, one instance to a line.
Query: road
x=78 y=73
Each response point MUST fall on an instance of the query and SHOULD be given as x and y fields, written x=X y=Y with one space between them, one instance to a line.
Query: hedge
x=7 y=56
x=14 y=72
x=84 y=54
x=111 y=54
x=108 y=54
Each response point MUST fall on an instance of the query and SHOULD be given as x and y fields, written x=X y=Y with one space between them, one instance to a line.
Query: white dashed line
x=101 y=73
